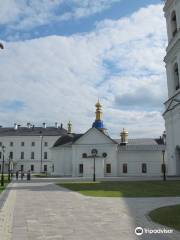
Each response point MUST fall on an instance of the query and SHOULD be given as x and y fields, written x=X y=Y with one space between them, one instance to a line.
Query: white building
x=172 y=60
x=72 y=154
x=28 y=148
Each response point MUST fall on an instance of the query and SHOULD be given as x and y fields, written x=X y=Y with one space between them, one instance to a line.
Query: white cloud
x=59 y=78
x=28 y=14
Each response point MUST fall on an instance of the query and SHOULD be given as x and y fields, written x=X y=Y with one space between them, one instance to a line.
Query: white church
x=73 y=154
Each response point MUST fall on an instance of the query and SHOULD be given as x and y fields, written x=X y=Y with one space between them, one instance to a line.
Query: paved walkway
x=44 y=211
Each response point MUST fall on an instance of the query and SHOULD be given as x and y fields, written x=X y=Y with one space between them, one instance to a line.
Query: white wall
x=27 y=149
x=172 y=117
x=101 y=162
x=135 y=159
x=62 y=160
x=172 y=120
x=168 y=11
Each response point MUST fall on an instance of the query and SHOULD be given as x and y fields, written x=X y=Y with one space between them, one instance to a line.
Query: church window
x=33 y=144
x=11 y=144
x=81 y=168
x=125 y=169
x=176 y=76
x=22 y=155
x=144 y=168
x=45 y=155
x=45 y=168
x=108 y=168
x=45 y=144
x=174 y=23
x=0 y=155
x=32 y=168
x=22 y=168
x=32 y=155
x=84 y=155
x=22 y=144
x=11 y=155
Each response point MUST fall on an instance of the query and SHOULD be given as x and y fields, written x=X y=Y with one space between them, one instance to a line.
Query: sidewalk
x=43 y=211
x=7 y=203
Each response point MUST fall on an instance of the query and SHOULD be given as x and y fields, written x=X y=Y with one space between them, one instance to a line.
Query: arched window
x=176 y=76
x=84 y=155
x=174 y=23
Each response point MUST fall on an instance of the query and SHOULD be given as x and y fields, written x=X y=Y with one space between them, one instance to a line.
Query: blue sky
x=61 y=55
x=115 y=10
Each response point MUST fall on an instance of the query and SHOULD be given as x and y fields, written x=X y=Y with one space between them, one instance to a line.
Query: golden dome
x=124 y=131
x=98 y=105
x=69 y=127
x=124 y=137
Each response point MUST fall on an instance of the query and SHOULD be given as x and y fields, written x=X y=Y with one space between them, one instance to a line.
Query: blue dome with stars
x=98 y=123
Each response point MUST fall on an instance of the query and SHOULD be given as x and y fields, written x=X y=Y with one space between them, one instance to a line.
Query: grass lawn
x=126 y=189
x=169 y=216
x=40 y=175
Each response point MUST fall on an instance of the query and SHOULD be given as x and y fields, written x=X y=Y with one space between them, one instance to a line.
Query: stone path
x=44 y=211
x=6 y=214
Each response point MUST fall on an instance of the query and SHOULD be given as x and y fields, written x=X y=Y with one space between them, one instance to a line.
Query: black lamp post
x=164 y=166
x=2 y=171
x=94 y=153
x=10 y=168
x=9 y=174
x=41 y=151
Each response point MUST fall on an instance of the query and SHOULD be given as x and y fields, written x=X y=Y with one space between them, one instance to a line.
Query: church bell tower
x=172 y=105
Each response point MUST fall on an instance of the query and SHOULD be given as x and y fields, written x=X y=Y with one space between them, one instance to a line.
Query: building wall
x=135 y=159
x=173 y=140
x=27 y=149
x=171 y=116
x=67 y=160
x=62 y=160
x=172 y=5
x=100 y=161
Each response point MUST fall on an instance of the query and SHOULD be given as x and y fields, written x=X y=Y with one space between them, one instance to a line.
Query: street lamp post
x=164 y=166
x=9 y=174
x=94 y=153
x=41 y=151
x=2 y=171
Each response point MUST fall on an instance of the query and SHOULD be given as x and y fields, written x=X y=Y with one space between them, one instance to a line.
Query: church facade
x=73 y=154
x=172 y=105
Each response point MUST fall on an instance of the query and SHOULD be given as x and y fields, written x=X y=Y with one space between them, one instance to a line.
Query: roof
x=68 y=138
x=33 y=131
x=143 y=141
x=71 y=138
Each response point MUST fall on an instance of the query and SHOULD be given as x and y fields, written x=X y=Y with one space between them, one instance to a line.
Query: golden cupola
x=98 y=123
x=69 y=125
x=124 y=137
x=99 y=113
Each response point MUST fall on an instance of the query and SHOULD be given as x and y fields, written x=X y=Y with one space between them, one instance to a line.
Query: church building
x=96 y=153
